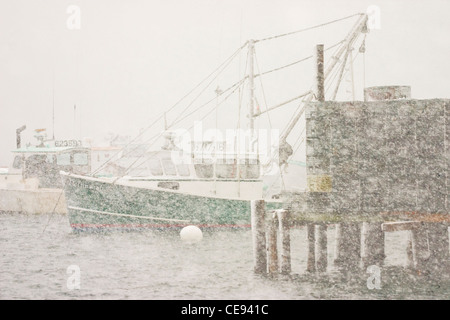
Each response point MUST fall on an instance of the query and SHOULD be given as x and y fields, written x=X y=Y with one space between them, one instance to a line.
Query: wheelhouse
x=44 y=163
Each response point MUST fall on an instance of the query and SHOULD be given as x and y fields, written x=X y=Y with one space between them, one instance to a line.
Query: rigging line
x=333 y=56
x=344 y=72
x=263 y=91
x=161 y=133
x=331 y=78
x=170 y=109
x=335 y=71
x=283 y=67
x=295 y=62
x=238 y=138
x=206 y=87
x=298 y=139
x=298 y=97
x=308 y=28
x=282 y=104
x=341 y=73
x=200 y=107
x=103 y=165
x=241 y=96
x=299 y=108
x=54 y=209
x=303 y=130
x=270 y=122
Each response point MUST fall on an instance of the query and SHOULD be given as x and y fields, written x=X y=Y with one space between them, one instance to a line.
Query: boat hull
x=95 y=204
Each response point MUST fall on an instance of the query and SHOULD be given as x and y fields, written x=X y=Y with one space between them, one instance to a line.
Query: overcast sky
x=130 y=60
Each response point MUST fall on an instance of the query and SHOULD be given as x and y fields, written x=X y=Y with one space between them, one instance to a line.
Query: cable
x=162 y=115
x=309 y=28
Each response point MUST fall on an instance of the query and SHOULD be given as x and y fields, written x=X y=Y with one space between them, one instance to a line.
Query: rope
x=54 y=209
x=263 y=91
x=160 y=134
x=162 y=115
x=309 y=28
x=295 y=62
x=204 y=89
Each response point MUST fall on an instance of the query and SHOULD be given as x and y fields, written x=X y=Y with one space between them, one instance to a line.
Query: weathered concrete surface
x=378 y=157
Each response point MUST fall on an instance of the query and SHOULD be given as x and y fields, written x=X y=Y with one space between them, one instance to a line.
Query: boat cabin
x=161 y=165
x=44 y=163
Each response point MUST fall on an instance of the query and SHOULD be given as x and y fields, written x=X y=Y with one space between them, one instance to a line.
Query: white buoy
x=191 y=234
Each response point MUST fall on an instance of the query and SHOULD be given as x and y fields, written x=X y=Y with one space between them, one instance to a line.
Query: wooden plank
x=400 y=226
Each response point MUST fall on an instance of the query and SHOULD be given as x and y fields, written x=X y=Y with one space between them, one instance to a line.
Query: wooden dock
x=359 y=245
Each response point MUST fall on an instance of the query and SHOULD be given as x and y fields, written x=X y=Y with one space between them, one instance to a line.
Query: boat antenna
x=74 y=119
x=53 y=105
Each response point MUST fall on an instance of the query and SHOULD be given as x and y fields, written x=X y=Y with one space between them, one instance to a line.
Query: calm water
x=158 y=265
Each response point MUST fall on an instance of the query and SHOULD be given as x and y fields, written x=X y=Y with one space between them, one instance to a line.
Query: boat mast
x=251 y=84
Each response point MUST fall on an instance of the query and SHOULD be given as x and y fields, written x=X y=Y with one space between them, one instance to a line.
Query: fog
x=131 y=60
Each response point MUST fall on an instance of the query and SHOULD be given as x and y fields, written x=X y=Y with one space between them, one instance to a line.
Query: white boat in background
x=32 y=183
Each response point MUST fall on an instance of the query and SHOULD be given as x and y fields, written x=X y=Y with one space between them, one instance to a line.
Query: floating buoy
x=191 y=234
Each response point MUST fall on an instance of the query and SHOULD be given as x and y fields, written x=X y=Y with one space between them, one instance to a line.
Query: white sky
x=132 y=59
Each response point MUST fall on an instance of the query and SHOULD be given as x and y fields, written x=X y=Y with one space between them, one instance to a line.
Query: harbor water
x=40 y=256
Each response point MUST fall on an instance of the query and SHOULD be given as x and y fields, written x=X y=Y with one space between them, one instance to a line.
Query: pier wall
x=377 y=157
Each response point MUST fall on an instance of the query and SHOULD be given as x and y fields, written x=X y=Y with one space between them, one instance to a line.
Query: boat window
x=249 y=171
x=80 y=159
x=17 y=163
x=169 y=185
x=183 y=170
x=138 y=172
x=169 y=167
x=155 y=167
x=50 y=158
x=204 y=170
x=226 y=170
x=63 y=159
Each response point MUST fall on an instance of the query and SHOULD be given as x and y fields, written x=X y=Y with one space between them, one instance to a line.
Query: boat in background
x=32 y=183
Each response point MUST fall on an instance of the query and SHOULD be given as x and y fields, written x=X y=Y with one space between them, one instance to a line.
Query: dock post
x=258 y=216
x=348 y=246
x=320 y=77
x=311 y=262
x=373 y=244
x=409 y=252
x=420 y=251
x=321 y=248
x=284 y=222
x=272 y=243
x=438 y=247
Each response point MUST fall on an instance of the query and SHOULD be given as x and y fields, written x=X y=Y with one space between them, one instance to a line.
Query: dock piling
x=272 y=243
x=348 y=246
x=284 y=221
x=321 y=248
x=259 y=236
x=372 y=244
x=311 y=262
